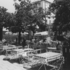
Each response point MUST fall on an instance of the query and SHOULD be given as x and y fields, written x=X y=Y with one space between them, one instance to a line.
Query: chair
x=52 y=62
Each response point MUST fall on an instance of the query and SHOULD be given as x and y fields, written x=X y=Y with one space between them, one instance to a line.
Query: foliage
x=2 y=15
x=6 y=19
x=22 y=14
x=2 y=20
x=9 y=20
x=62 y=21
x=28 y=15
x=22 y=17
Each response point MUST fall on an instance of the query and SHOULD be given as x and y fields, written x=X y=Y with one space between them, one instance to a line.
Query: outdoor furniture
x=19 y=47
x=51 y=49
x=50 y=56
x=44 y=33
x=9 y=48
x=18 y=53
x=12 y=57
x=14 y=54
x=37 y=50
x=45 y=59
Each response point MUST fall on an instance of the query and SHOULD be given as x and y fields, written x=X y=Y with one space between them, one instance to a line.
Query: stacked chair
x=50 y=59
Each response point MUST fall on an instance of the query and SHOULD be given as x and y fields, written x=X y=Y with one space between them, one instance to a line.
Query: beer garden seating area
x=33 y=55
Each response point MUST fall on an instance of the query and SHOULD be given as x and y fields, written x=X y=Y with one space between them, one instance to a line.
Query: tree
x=28 y=15
x=2 y=20
x=39 y=19
x=62 y=21
x=10 y=20
x=22 y=17
x=6 y=20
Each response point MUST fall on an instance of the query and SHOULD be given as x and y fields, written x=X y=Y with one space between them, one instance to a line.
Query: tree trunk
x=19 y=37
x=1 y=35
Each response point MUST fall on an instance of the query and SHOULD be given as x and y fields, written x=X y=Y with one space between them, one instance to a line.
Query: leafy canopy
x=62 y=21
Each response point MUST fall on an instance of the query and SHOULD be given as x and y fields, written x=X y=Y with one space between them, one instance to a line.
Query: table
x=44 y=59
x=50 y=56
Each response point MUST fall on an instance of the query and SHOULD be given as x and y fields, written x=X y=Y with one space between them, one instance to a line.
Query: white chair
x=44 y=60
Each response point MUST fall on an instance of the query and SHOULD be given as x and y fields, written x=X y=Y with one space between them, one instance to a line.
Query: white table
x=50 y=56
x=45 y=58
